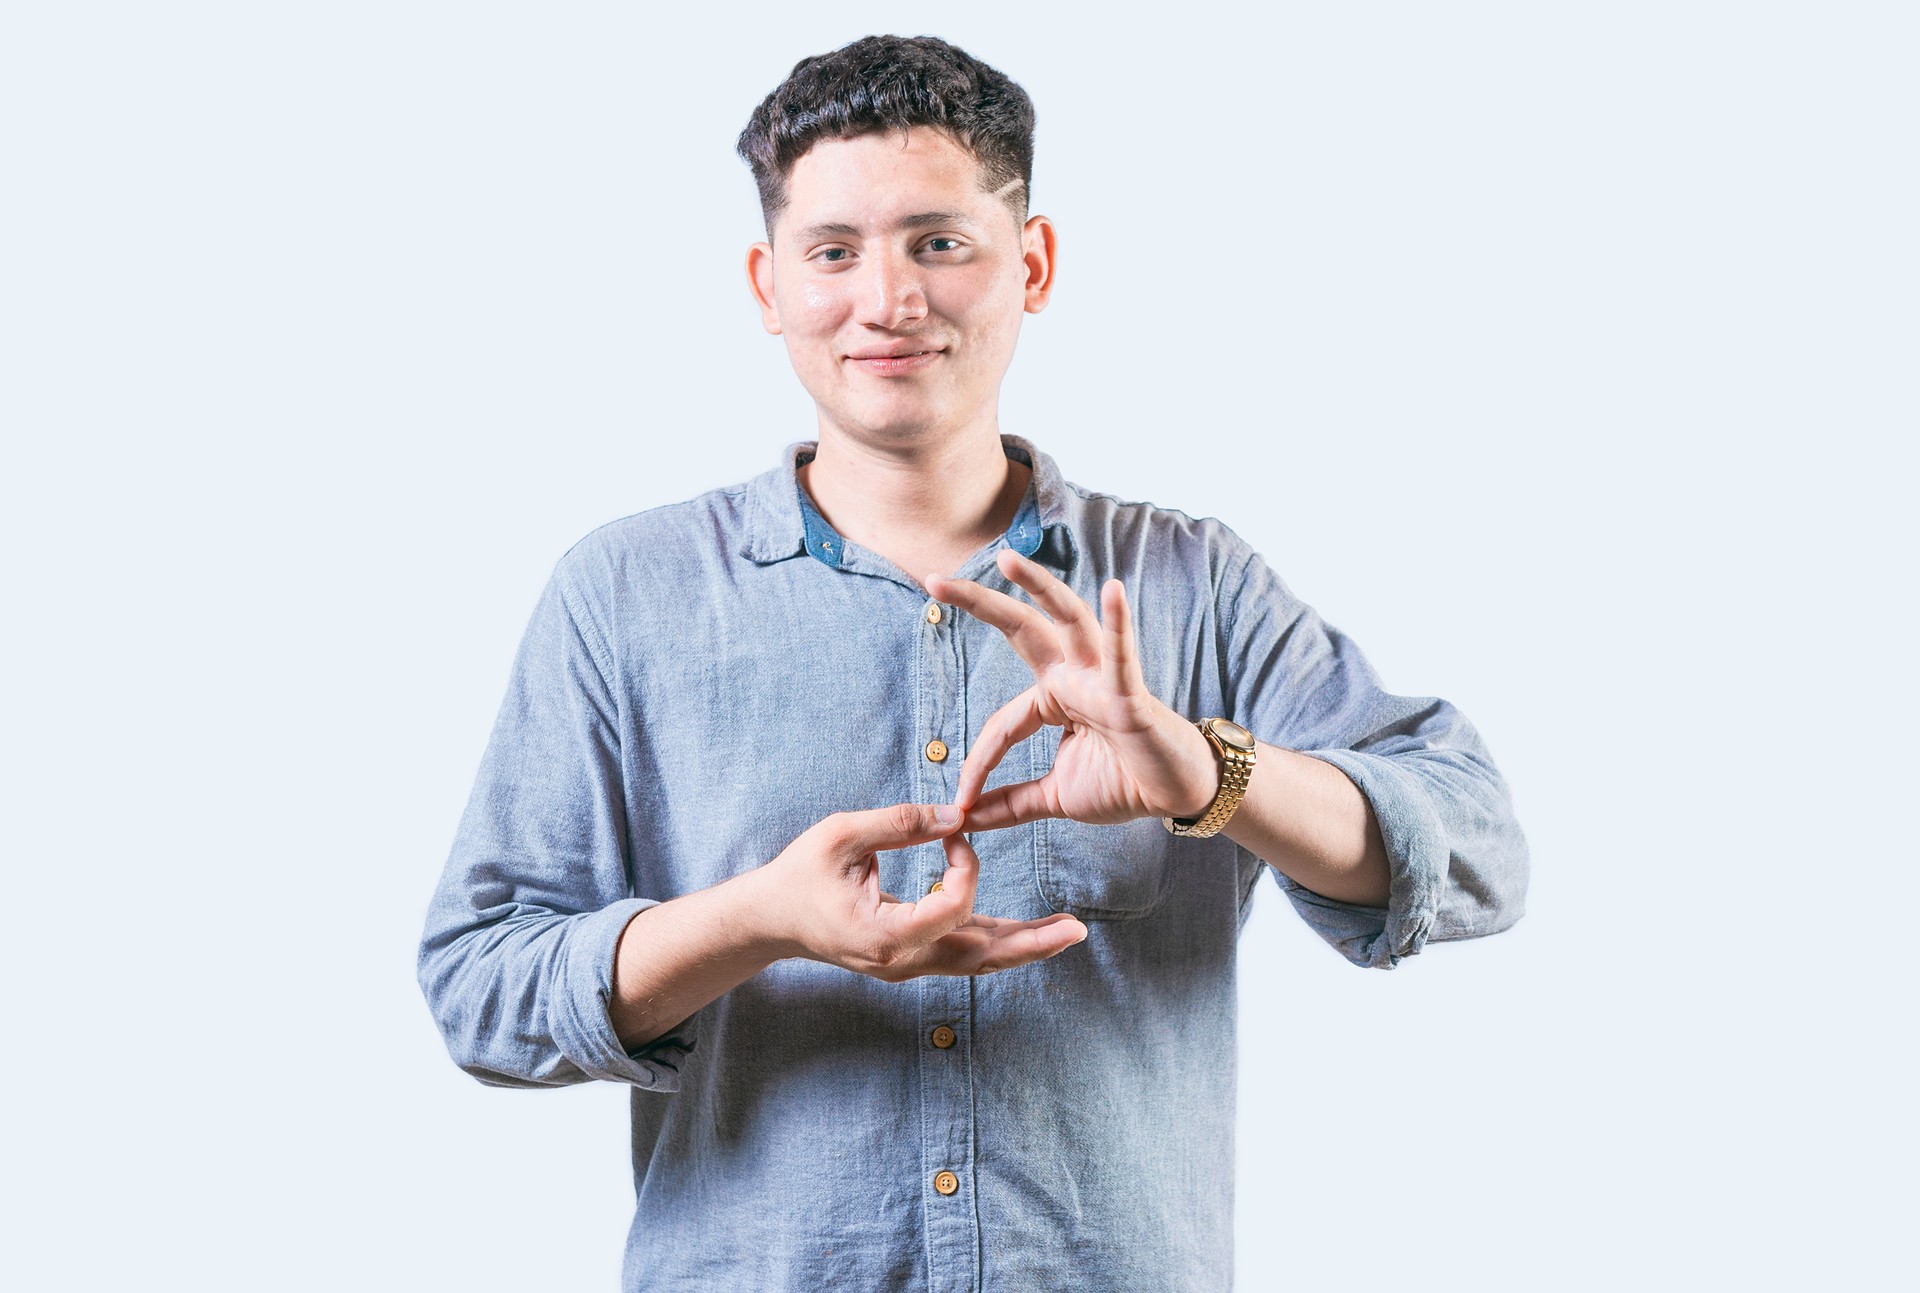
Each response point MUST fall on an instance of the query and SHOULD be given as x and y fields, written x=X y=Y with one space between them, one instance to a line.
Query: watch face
x=1233 y=734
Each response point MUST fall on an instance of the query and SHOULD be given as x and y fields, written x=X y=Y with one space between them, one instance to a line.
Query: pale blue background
x=324 y=329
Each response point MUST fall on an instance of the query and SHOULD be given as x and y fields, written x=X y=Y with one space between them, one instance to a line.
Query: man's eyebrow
x=934 y=219
x=815 y=232
x=918 y=220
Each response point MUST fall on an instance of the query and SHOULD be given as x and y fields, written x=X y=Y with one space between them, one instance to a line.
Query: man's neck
x=926 y=508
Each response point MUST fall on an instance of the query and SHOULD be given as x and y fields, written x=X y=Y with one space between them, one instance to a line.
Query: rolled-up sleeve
x=1457 y=857
x=517 y=957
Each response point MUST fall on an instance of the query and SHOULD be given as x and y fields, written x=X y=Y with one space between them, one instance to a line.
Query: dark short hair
x=881 y=83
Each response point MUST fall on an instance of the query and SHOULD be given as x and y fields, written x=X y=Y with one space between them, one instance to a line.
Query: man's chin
x=897 y=426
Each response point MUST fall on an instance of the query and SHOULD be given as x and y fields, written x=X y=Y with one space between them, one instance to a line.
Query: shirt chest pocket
x=1119 y=872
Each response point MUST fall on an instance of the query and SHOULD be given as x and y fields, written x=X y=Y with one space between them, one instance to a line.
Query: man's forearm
x=821 y=899
x=675 y=958
x=1306 y=819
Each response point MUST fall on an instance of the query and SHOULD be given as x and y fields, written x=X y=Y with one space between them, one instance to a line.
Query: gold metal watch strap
x=1236 y=770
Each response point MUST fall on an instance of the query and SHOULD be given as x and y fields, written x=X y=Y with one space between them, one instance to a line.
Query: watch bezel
x=1231 y=733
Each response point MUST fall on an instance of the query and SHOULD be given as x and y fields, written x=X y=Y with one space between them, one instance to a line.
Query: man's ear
x=1037 y=250
x=760 y=279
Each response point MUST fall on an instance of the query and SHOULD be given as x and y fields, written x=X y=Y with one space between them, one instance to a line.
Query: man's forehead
x=930 y=142
x=889 y=180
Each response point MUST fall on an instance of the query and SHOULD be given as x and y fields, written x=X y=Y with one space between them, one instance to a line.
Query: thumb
x=895 y=826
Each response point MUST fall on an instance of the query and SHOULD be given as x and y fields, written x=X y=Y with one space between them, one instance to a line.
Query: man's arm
x=821 y=899
x=1367 y=827
x=542 y=968
x=1308 y=821
x=1125 y=754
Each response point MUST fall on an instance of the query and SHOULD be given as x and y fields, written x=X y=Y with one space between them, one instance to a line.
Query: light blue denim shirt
x=702 y=682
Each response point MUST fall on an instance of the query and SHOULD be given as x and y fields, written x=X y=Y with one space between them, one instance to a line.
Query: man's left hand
x=1123 y=754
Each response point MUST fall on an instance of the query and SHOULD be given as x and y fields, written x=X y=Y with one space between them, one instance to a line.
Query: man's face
x=899 y=284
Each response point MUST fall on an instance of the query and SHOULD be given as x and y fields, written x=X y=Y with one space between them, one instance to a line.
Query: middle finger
x=1079 y=628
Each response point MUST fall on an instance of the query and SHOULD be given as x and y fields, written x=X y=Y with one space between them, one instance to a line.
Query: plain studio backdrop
x=1563 y=354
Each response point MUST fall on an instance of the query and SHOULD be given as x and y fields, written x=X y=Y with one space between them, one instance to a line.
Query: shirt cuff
x=582 y=1024
x=1417 y=853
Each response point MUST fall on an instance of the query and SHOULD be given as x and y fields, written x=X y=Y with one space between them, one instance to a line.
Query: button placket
x=939 y=655
x=948 y=1133
x=945 y=1002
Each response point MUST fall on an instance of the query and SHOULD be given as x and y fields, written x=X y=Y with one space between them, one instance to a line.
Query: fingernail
x=944 y=814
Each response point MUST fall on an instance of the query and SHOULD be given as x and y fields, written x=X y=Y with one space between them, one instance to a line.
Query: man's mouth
x=893 y=360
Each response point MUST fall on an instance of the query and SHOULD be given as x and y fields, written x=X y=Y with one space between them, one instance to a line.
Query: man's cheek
x=816 y=299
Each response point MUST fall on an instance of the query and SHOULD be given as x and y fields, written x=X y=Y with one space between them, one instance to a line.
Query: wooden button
x=933 y=612
x=946 y=1182
x=943 y=1037
x=937 y=751
x=935 y=887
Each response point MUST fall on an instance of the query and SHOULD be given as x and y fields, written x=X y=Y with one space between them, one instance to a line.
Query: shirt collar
x=782 y=521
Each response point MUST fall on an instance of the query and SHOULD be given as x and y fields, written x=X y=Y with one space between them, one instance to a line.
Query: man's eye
x=942 y=244
x=833 y=254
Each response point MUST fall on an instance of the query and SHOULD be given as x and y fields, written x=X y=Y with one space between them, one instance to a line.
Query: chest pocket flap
x=1118 y=872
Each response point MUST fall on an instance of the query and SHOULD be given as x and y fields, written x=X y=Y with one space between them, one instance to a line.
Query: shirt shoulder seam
x=725 y=491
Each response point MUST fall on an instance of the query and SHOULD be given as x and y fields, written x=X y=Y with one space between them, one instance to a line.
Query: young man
x=718 y=849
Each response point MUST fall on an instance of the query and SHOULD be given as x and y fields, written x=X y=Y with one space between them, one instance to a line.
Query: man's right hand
x=821 y=899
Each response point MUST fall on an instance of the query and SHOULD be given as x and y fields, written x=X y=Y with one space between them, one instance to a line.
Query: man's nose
x=895 y=294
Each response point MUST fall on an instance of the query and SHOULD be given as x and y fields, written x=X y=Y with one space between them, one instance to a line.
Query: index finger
x=1012 y=723
x=947 y=907
x=1070 y=613
x=868 y=830
x=1027 y=631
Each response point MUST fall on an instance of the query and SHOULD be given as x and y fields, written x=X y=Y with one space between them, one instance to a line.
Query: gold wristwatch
x=1234 y=744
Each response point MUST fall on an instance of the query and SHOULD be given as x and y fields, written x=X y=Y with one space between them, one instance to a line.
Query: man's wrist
x=1199 y=776
x=1208 y=783
x=1232 y=748
x=761 y=910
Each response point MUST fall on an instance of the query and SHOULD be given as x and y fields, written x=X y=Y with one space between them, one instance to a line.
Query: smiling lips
x=893 y=363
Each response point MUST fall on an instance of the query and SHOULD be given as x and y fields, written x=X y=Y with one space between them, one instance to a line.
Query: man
x=719 y=846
